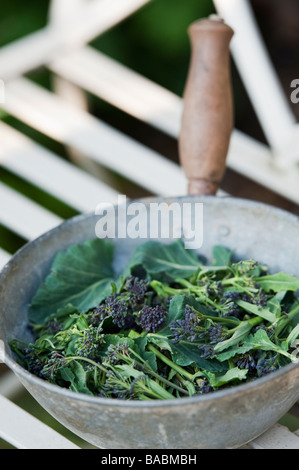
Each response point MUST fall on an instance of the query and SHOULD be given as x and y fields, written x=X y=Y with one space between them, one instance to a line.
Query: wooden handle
x=207 y=120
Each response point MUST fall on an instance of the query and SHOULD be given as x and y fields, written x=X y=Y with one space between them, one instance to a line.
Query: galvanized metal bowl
x=222 y=419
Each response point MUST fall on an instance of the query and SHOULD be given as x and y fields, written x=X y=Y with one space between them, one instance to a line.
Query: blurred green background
x=155 y=43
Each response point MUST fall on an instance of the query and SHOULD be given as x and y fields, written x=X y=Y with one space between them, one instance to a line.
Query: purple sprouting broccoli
x=89 y=345
x=122 y=306
x=187 y=328
x=216 y=333
x=118 y=308
x=151 y=319
x=117 y=352
x=137 y=287
x=33 y=361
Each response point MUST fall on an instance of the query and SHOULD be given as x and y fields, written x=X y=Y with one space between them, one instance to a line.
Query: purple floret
x=151 y=319
x=186 y=328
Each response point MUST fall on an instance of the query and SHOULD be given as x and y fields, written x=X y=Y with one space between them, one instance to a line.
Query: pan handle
x=207 y=120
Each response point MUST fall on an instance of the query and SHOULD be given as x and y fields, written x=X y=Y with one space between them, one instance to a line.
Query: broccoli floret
x=151 y=319
x=89 y=345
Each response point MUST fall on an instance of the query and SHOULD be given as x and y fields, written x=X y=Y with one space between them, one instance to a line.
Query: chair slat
x=271 y=103
x=44 y=169
x=59 y=37
x=278 y=437
x=24 y=216
x=122 y=87
x=77 y=129
x=24 y=431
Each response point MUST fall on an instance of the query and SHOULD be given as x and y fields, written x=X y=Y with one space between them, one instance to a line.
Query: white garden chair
x=62 y=46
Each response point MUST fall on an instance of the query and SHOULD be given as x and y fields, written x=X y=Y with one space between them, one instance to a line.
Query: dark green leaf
x=162 y=261
x=184 y=354
x=221 y=256
x=239 y=334
x=260 y=340
x=256 y=310
x=78 y=379
x=278 y=282
x=147 y=356
x=114 y=339
x=217 y=380
x=81 y=276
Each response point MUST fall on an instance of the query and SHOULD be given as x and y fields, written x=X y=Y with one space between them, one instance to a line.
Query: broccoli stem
x=150 y=371
x=285 y=321
x=170 y=363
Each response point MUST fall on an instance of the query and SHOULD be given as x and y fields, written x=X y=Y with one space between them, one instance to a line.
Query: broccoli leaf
x=217 y=380
x=278 y=282
x=260 y=340
x=80 y=276
x=240 y=333
x=221 y=256
x=256 y=310
x=184 y=354
x=164 y=261
x=77 y=376
x=176 y=311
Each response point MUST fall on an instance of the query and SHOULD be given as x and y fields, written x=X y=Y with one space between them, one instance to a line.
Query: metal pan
x=222 y=419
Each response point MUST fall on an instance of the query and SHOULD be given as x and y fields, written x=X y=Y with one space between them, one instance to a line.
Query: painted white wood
x=254 y=160
x=24 y=216
x=83 y=132
x=151 y=103
x=24 y=431
x=55 y=39
x=51 y=173
x=122 y=87
x=278 y=437
x=10 y=386
x=4 y=258
x=260 y=78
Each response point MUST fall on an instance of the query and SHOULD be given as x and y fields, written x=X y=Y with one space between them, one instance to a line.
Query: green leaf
x=161 y=341
x=278 y=282
x=217 y=380
x=256 y=310
x=78 y=379
x=64 y=314
x=176 y=312
x=274 y=303
x=260 y=340
x=184 y=354
x=239 y=335
x=293 y=335
x=162 y=261
x=67 y=374
x=114 y=339
x=221 y=256
x=233 y=351
x=80 y=276
x=147 y=356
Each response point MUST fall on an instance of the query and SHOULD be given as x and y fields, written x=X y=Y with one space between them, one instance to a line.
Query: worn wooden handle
x=207 y=120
